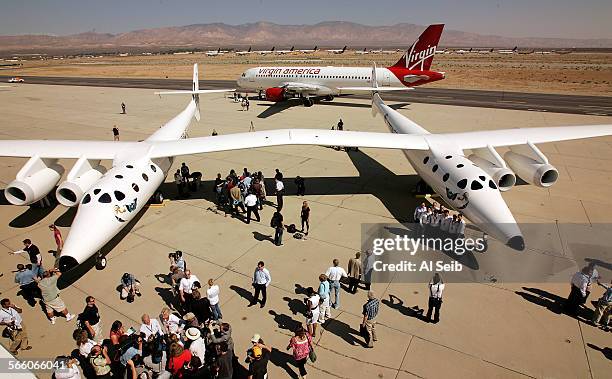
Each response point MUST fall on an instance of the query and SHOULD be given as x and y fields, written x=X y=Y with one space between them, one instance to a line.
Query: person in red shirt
x=57 y=235
x=178 y=358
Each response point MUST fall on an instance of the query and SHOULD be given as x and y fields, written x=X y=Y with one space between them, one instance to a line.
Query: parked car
x=16 y=80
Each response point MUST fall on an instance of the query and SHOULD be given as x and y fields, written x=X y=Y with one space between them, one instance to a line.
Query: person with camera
x=258 y=357
x=171 y=324
x=100 y=361
x=15 y=329
x=130 y=287
x=150 y=327
x=219 y=333
x=131 y=357
x=197 y=345
x=312 y=314
x=51 y=295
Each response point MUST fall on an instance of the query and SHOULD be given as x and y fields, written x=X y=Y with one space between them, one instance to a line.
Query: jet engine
x=490 y=162
x=34 y=181
x=531 y=165
x=275 y=94
x=80 y=179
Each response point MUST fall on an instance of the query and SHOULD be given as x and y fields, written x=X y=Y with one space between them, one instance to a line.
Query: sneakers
x=53 y=320
x=69 y=317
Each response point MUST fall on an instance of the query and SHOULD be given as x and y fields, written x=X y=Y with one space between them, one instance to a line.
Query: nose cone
x=517 y=243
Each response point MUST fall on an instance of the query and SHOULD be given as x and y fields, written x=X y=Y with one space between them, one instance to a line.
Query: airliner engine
x=34 y=181
x=531 y=165
x=80 y=179
x=490 y=162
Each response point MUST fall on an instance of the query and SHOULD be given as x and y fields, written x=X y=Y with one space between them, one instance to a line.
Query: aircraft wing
x=305 y=87
x=287 y=137
x=510 y=137
x=64 y=148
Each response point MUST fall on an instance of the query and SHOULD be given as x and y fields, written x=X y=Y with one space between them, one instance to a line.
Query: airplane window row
x=316 y=76
x=106 y=198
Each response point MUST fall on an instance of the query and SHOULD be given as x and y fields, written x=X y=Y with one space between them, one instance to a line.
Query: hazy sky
x=513 y=18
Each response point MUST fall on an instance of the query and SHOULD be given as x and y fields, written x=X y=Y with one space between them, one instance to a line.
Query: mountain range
x=266 y=34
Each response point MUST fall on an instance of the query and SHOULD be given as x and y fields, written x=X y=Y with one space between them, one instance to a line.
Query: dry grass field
x=575 y=73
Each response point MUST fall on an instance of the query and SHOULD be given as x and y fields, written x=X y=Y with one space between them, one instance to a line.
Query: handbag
x=312 y=355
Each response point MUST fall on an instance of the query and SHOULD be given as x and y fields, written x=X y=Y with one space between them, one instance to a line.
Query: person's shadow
x=300 y=290
x=550 y=301
x=606 y=351
x=415 y=311
x=282 y=359
x=344 y=331
x=296 y=306
x=163 y=278
x=262 y=237
x=243 y=293
x=168 y=297
x=284 y=321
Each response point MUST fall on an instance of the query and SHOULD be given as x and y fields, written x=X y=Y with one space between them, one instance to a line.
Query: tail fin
x=343 y=49
x=273 y=48
x=195 y=87
x=420 y=55
x=249 y=49
x=292 y=47
x=195 y=91
x=316 y=48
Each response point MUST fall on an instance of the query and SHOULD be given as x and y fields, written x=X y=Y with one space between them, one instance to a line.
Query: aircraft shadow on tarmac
x=275 y=108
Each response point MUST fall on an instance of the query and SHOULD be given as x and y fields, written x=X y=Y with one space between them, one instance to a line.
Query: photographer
x=130 y=286
x=100 y=361
x=177 y=260
x=221 y=333
x=257 y=358
x=15 y=329
x=131 y=349
x=51 y=295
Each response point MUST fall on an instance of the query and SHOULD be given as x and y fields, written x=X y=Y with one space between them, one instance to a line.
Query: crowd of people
x=436 y=221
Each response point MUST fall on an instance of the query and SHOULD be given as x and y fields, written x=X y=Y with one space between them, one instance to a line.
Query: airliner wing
x=509 y=137
x=304 y=87
x=287 y=137
x=64 y=148
x=374 y=89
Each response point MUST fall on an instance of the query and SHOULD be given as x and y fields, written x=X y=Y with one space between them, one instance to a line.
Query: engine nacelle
x=275 y=94
x=502 y=176
x=81 y=178
x=34 y=181
x=538 y=173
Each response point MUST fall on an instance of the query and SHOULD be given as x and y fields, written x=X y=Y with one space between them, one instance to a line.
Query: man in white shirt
x=418 y=212
x=424 y=220
x=445 y=224
x=334 y=274
x=452 y=229
x=261 y=281
x=212 y=293
x=11 y=318
x=185 y=289
x=150 y=327
x=460 y=226
x=197 y=346
x=251 y=204
x=280 y=191
x=436 y=287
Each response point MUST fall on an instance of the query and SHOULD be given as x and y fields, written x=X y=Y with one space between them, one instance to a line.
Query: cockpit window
x=97 y=191
x=481 y=177
x=475 y=185
x=462 y=183
x=492 y=184
x=105 y=198
x=86 y=199
x=153 y=168
x=119 y=195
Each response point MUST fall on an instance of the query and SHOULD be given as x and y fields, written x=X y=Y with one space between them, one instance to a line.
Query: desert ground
x=574 y=73
x=489 y=329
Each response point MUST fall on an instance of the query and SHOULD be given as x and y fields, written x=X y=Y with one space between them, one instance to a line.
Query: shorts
x=57 y=304
x=315 y=317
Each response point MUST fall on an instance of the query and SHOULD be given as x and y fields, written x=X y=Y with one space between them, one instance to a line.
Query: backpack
x=291 y=228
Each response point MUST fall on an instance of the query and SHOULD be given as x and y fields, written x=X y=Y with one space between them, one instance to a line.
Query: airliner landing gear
x=261 y=96
x=329 y=97
x=308 y=102
x=100 y=261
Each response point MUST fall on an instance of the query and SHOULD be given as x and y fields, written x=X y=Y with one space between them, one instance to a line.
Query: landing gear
x=100 y=261
x=261 y=96
x=308 y=102
x=329 y=97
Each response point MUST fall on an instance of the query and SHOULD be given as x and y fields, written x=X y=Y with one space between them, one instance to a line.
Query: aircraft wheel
x=308 y=102
x=261 y=96
x=329 y=97
x=100 y=263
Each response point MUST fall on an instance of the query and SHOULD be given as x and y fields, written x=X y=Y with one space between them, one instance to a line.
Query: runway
x=536 y=102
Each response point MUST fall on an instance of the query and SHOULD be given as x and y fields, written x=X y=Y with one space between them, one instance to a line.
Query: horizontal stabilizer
x=198 y=92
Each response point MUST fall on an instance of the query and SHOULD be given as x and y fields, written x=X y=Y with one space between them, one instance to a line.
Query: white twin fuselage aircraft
x=108 y=201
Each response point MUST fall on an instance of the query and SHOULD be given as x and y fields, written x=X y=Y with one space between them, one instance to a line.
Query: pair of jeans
x=433 y=304
x=334 y=287
x=259 y=288
x=278 y=236
x=253 y=210
x=216 y=312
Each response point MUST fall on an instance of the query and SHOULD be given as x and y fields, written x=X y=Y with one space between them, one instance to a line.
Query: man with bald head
x=150 y=327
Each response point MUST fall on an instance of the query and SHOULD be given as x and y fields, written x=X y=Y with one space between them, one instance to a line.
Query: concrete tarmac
x=501 y=328
x=536 y=102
